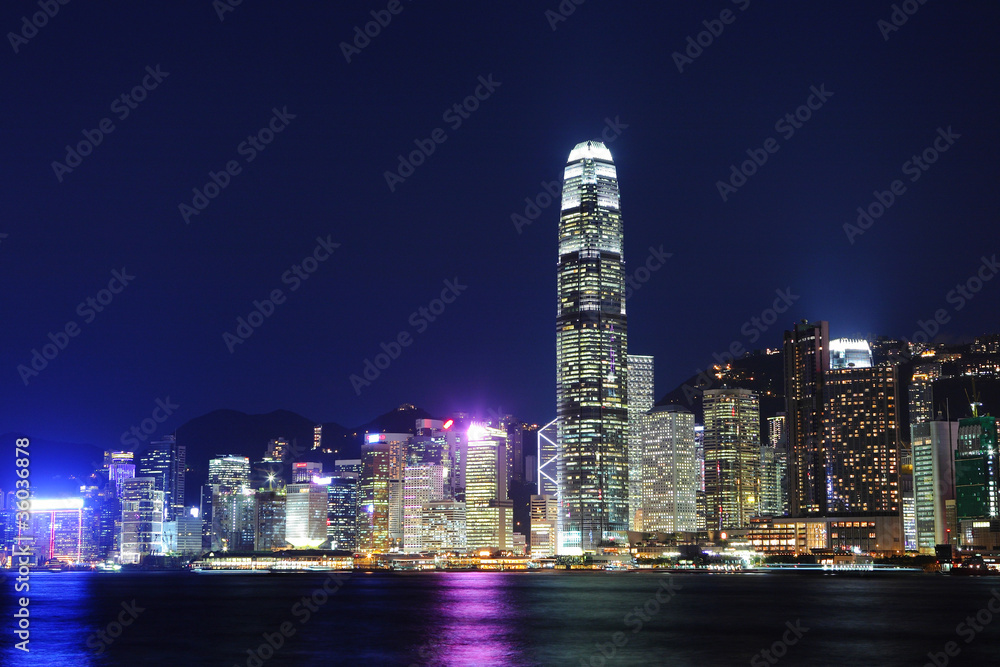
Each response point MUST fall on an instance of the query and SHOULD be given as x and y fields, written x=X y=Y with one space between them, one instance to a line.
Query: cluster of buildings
x=832 y=470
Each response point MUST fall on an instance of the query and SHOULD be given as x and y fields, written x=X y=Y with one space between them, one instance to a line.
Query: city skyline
x=677 y=135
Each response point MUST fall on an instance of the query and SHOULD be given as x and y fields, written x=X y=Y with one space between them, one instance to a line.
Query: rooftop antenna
x=974 y=399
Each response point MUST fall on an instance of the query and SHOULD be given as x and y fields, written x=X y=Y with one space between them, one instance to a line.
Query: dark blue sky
x=323 y=176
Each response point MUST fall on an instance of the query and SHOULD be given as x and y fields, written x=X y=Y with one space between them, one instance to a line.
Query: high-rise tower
x=591 y=349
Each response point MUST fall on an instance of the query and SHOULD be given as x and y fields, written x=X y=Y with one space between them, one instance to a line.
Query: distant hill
x=761 y=372
x=234 y=432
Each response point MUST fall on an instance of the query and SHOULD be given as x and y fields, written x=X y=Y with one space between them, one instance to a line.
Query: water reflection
x=477 y=623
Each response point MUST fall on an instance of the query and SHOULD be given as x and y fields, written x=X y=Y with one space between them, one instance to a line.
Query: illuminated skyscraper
x=977 y=469
x=342 y=508
x=732 y=457
x=665 y=437
x=591 y=349
x=488 y=509
x=807 y=359
x=142 y=520
x=921 y=391
x=305 y=515
x=861 y=441
x=269 y=530
x=640 y=401
x=165 y=461
x=379 y=492
x=421 y=484
x=231 y=473
x=54 y=529
x=934 y=444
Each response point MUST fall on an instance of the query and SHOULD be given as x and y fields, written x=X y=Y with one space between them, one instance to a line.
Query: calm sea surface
x=482 y=619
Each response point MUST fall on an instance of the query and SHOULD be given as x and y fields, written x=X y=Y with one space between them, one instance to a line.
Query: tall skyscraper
x=640 y=401
x=861 y=441
x=591 y=354
x=977 y=469
x=142 y=520
x=807 y=359
x=934 y=444
x=375 y=490
x=665 y=437
x=488 y=509
x=269 y=529
x=165 y=461
x=732 y=454
x=342 y=510
x=921 y=391
x=421 y=484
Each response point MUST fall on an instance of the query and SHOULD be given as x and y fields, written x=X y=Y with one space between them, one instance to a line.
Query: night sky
x=214 y=83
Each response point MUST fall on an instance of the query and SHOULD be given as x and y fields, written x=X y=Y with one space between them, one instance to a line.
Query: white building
x=669 y=470
x=422 y=484
x=142 y=520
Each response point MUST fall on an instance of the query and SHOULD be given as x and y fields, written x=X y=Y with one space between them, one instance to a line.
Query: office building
x=54 y=530
x=342 y=508
x=640 y=401
x=488 y=510
x=732 y=455
x=977 y=470
x=861 y=444
x=807 y=360
x=269 y=527
x=850 y=353
x=934 y=444
x=591 y=355
x=669 y=476
x=165 y=461
x=422 y=484
x=544 y=523
x=443 y=526
x=305 y=515
x=142 y=520
x=921 y=391
x=231 y=473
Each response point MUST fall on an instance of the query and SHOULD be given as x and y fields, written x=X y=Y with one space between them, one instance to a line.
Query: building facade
x=732 y=457
x=591 y=354
x=669 y=476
